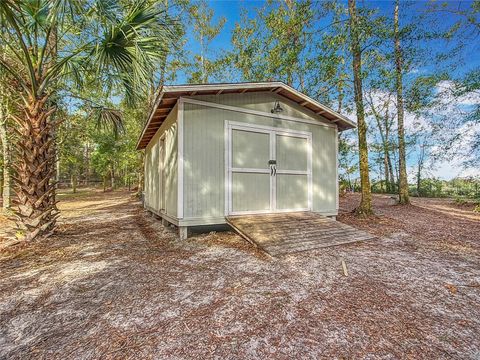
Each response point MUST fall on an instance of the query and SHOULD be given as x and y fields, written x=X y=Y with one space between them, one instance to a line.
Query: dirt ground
x=114 y=283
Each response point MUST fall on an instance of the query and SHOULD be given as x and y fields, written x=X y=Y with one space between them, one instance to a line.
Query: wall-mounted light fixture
x=277 y=109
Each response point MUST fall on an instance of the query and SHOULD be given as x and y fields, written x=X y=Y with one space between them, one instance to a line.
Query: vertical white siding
x=152 y=191
x=204 y=152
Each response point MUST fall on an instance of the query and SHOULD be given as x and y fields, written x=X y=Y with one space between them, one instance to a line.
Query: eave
x=169 y=95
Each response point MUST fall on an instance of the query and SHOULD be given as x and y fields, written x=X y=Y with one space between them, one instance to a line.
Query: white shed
x=216 y=150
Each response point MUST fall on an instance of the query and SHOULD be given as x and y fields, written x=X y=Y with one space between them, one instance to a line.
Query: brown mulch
x=113 y=283
x=440 y=224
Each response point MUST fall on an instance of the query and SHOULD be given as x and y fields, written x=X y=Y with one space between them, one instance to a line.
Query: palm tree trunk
x=403 y=180
x=365 y=207
x=35 y=170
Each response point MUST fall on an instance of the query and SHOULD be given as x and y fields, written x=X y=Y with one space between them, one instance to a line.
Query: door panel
x=291 y=153
x=292 y=175
x=250 y=192
x=269 y=170
x=250 y=149
x=291 y=192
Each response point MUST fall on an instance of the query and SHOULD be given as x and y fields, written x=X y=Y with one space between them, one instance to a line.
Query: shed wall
x=153 y=171
x=204 y=153
x=263 y=101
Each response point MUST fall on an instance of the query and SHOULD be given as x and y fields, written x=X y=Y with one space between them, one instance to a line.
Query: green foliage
x=91 y=61
x=457 y=188
x=204 y=67
x=275 y=45
x=347 y=161
x=119 y=45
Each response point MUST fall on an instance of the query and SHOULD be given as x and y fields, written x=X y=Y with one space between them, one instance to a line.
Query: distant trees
x=276 y=44
x=461 y=90
x=380 y=107
x=203 y=67
x=400 y=103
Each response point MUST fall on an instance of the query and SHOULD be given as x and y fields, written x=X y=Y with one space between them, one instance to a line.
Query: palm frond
x=108 y=119
x=131 y=48
x=35 y=13
x=108 y=9
x=75 y=70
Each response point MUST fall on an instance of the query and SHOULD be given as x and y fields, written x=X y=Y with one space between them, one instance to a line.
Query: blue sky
x=230 y=9
x=471 y=52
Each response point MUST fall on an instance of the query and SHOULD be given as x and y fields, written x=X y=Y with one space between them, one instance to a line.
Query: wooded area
x=80 y=77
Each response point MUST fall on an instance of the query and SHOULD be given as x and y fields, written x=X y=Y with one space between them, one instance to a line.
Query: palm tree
x=57 y=47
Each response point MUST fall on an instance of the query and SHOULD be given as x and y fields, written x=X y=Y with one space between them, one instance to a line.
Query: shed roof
x=168 y=96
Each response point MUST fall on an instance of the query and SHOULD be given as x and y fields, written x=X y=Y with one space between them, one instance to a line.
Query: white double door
x=268 y=169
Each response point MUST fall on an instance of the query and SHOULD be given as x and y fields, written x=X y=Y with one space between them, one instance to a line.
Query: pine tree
x=365 y=207
x=402 y=158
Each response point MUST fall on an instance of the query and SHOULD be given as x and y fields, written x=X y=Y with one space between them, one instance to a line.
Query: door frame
x=272 y=131
x=162 y=175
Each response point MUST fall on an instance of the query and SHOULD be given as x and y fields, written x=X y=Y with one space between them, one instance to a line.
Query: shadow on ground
x=114 y=283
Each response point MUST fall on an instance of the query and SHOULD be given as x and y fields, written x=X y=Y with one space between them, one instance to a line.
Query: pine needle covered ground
x=113 y=283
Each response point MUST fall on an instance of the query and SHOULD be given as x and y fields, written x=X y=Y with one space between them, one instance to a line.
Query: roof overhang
x=169 y=95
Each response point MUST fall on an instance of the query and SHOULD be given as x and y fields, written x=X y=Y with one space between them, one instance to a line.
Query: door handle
x=271 y=170
x=274 y=170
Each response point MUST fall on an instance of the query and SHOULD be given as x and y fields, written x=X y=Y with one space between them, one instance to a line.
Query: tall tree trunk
x=395 y=165
x=73 y=181
x=420 y=168
x=387 y=174
x=35 y=169
x=112 y=177
x=403 y=180
x=7 y=157
x=365 y=207
x=391 y=175
x=340 y=96
x=104 y=182
x=387 y=154
x=384 y=135
x=87 y=164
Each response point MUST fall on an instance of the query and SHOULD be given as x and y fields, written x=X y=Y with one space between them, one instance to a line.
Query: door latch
x=273 y=167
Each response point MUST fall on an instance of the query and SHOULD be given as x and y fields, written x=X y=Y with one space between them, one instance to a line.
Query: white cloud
x=449 y=108
x=445 y=89
x=448 y=170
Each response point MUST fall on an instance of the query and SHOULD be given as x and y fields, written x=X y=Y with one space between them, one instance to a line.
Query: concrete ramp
x=287 y=233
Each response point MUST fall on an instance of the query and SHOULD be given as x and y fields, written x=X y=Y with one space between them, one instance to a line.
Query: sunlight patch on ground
x=451 y=211
x=114 y=283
